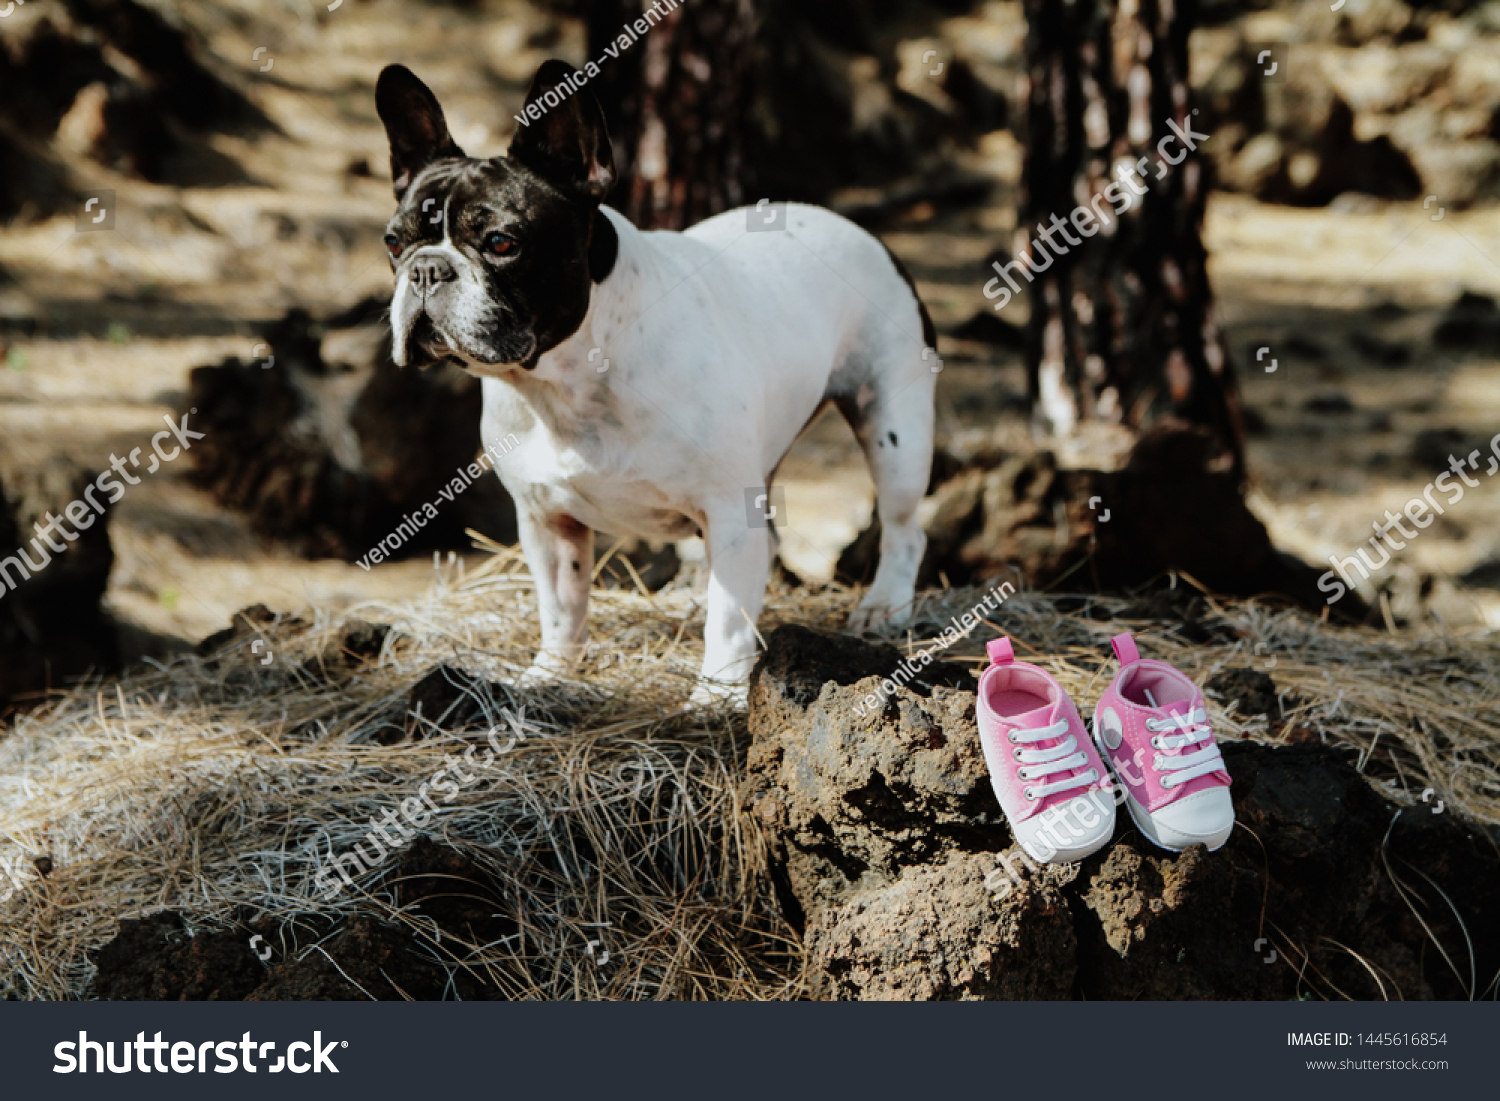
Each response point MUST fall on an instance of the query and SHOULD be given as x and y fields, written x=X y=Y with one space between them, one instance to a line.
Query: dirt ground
x=99 y=329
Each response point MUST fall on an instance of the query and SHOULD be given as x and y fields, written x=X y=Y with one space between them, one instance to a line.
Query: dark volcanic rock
x=1250 y=690
x=159 y=958
x=892 y=943
x=362 y=642
x=247 y=623
x=893 y=855
x=333 y=461
x=655 y=564
x=123 y=83
x=1108 y=531
x=861 y=792
x=52 y=626
x=450 y=699
x=1472 y=322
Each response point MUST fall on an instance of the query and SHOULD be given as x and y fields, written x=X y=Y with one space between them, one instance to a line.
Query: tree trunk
x=1122 y=325
x=677 y=102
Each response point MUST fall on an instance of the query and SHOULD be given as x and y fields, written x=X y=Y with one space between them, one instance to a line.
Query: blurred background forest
x=1292 y=333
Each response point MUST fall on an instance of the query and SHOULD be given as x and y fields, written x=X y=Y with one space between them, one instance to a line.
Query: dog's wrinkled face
x=491 y=265
x=492 y=257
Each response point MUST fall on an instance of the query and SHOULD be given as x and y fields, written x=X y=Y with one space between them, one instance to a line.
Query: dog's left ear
x=564 y=139
x=414 y=124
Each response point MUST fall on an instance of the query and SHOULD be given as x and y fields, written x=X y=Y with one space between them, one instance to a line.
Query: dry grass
x=219 y=790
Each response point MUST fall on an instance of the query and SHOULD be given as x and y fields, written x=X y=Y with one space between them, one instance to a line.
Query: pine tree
x=677 y=103
x=1122 y=323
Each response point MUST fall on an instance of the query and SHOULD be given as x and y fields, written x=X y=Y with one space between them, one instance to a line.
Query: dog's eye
x=393 y=244
x=499 y=244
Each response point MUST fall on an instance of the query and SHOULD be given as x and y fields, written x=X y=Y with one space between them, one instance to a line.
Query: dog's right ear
x=414 y=124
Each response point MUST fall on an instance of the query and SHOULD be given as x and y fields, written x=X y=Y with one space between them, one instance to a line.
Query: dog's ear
x=413 y=122
x=564 y=139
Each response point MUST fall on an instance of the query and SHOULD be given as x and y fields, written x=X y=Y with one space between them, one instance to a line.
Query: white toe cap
x=1069 y=831
x=1203 y=818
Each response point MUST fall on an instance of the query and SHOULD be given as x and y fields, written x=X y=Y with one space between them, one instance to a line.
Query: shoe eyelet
x=1156 y=764
x=1155 y=741
x=1011 y=737
x=1023 y=774
x=1030 y=795
x=1017 y=752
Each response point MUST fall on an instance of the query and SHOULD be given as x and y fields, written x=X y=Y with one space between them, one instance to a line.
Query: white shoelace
x=1038 y=763
x=1190 y=729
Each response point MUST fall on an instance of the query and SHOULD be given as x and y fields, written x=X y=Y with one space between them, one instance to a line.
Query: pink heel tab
x=1000 y=650
x=1125 y=649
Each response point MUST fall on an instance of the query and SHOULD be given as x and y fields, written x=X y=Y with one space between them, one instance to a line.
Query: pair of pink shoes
x=1151 y=726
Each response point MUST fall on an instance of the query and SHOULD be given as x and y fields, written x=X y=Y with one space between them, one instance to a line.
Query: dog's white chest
x=584 y=463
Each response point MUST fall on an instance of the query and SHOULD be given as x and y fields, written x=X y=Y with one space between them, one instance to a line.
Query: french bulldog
x=653 y=381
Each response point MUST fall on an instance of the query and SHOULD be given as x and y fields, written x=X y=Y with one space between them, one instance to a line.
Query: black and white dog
x=654 y=380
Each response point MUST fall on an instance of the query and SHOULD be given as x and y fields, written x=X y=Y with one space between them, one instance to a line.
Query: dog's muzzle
x=429 y=271
x=440 y=310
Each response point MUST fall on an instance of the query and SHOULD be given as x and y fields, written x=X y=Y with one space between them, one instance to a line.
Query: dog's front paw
x=546 y=669
x=714 y=694
x=877 y=618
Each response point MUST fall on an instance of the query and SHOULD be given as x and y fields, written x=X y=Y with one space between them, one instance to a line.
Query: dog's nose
x=430 y=270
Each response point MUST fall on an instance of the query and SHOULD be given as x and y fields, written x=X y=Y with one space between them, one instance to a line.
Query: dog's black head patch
x=495 y=259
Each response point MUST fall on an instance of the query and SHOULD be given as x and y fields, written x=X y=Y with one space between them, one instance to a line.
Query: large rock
x=891 y=853
x=1296 y=138
x=332 y=456
x=158 y=958
x=1458 y=172
x=1165 y=510
x=892 y=943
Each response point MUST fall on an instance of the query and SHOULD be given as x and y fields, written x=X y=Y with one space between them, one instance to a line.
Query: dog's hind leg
x=892 y=417
x=560 y=554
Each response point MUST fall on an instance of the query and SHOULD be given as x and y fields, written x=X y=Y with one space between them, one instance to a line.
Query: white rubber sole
x=1175 y=841
x=1160 y=834
x=1094 y=838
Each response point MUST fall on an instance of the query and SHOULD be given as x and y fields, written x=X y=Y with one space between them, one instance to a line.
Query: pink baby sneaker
x=1050 y=782
x=1152 y=727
